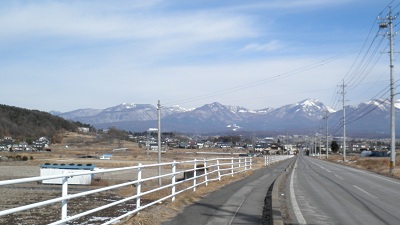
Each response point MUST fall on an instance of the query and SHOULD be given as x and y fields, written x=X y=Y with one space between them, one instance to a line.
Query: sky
x=68 y=55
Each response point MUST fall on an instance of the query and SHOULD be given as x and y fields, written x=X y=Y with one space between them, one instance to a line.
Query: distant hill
x=28 y=125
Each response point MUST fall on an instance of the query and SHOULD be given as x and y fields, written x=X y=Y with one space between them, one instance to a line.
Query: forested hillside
x=28 y=125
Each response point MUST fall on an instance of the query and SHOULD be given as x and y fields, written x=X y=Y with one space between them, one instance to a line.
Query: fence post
x=265 y=160
x=251 y=163
x=173 y=180
x=219 y=172
x=232 y=167
x=240 y=163
x=205 y=172
x=194 y=175
x=245 y=164
x=64 y=203
x=139 y=185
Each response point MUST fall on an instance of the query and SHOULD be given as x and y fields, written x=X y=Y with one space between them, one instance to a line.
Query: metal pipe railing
x=217 y=167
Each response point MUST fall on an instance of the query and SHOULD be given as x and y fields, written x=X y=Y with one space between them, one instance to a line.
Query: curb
x=276 y=206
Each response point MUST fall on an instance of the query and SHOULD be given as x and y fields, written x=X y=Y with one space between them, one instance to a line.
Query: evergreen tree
x=334 y=146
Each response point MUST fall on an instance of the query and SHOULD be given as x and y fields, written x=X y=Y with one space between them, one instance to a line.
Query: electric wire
x=359 y=78
x=361 y=114
x=356 y=78
x=260 y=82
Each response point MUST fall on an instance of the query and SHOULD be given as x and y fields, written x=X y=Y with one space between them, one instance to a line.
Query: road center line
x=295 y=206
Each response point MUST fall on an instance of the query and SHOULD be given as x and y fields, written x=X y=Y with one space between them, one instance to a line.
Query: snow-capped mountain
x=79 y=113
x=300 y=117
x=306 y=108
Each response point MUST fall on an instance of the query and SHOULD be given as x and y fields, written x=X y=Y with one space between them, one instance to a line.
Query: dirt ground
x=72 y=151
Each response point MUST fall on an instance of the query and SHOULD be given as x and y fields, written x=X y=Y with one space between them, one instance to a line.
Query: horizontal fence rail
x=138 y=181
x=270 y=159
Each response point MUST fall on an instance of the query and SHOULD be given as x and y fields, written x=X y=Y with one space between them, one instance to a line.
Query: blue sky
x=67 y=55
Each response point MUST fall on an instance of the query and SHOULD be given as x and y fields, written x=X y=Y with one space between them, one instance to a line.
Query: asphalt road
x=328 y=193
x=241 y=202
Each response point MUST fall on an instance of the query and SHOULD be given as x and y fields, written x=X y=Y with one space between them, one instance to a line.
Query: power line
x=260 y=82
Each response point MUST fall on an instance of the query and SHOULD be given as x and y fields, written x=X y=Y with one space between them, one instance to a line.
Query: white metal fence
x=177 y=177
x=270 y=159
x=196 y=172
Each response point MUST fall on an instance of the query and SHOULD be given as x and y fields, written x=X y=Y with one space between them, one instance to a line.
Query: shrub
x=24 y=158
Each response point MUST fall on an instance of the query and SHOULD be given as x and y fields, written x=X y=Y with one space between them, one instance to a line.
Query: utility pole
x=315 y=145
x=326 y=122
x=320 y=142
x=344 y=123
x=388 y=21
x=159 y=141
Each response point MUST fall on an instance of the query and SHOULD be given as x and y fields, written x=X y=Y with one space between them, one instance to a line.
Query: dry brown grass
x=378 y=165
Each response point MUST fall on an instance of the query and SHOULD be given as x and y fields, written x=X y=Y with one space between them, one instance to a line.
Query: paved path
x=241 y=202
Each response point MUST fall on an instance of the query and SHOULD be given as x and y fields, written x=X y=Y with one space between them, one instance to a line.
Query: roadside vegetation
x=379 y=165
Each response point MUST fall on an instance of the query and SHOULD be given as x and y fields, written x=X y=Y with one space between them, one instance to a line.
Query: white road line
x=295 y=206
x=374 y=175
x=339 y=177
x=237 y=210
x=365 y=192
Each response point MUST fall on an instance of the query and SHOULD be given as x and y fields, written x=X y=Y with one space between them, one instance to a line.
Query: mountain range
x=368 y=119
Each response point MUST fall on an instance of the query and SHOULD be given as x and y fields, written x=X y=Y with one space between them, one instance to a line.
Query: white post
x=173 y=180
x=219 y=172
x=232 y=167
x=194 y=175
x=64 y=203
x=265 y=160
x=240 y=163
x=138 y=185
x=205 y=172
x=251 y=163
x=159 y=141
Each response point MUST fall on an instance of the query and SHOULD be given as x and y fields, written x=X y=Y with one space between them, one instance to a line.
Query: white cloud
x=141 y=51
x=273 y=5
x=270 y=46
x=62 y=19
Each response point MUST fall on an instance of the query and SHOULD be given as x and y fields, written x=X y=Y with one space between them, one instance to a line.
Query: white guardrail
x=195 y=173
x=268 y=160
